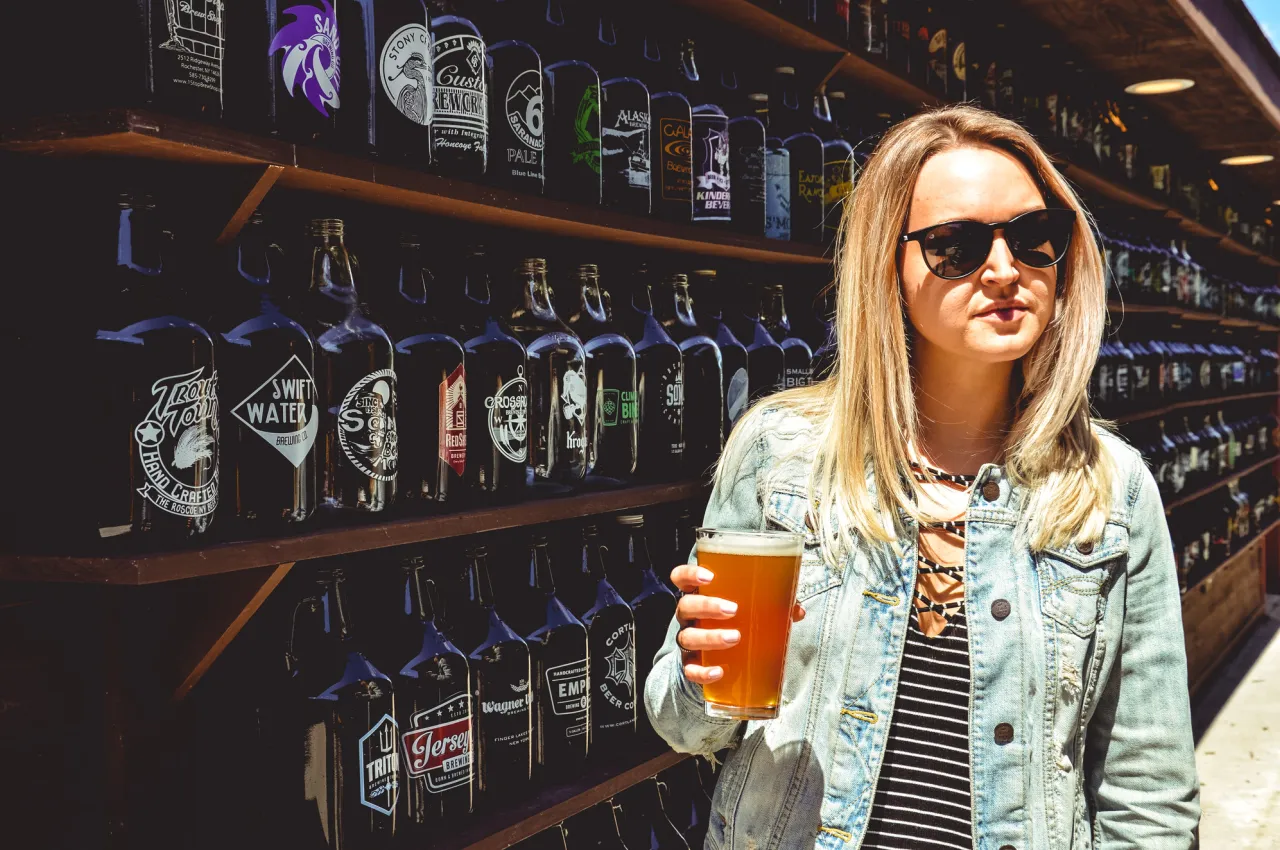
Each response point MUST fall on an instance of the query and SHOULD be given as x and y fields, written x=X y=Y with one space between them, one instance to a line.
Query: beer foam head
x=779 y=544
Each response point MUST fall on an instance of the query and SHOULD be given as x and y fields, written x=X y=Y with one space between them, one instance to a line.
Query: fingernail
x=704 y=575
x=728 y=608
x=732 y=636
x=715 y=673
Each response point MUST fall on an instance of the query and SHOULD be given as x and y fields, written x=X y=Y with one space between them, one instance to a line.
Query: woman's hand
x=693 y=640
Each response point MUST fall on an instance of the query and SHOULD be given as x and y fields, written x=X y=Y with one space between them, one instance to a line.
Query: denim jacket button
x=1085 y=548
x=1000 y=609
x=991 y=491
x=1004 y=733
x=1007 y=847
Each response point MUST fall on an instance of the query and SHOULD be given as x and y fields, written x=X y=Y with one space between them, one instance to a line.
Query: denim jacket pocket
x=1074 y=580
x=789 y=511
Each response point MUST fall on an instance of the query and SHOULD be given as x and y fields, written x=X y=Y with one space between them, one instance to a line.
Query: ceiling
x=1234 y=107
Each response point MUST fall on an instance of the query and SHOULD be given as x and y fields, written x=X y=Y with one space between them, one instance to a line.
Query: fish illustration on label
x=283 y=411
x=178 y=442
x=439 y=744
x=380 y=766
x=312 y=61
x=405 y=71
x=367 y=425
x=453 y=419
x=508 y=415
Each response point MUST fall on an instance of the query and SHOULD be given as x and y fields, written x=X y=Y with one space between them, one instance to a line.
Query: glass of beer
x=758 y=570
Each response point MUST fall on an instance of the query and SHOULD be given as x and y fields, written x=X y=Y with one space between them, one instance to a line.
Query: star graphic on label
x=149 y=433
x=622 y=669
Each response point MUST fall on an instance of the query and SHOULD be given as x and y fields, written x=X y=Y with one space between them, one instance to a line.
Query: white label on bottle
x=283 y=411
x=524 y=109
x=178 y=444
x=567 y=687
x=380 y=766
x=618 y=687
x=367 y=425
x=405 y=71
x=195 y=32
x=461 y=119
x=573 y=394
x=508 y=417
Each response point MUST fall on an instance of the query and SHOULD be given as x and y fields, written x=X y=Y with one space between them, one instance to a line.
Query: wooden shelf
x=554 y=804
x=1204 y=491
x=1138 y=416
x=887 y=83
x=151 y=135
x=1257 y=540
x=325 y=542
x=1190 y=315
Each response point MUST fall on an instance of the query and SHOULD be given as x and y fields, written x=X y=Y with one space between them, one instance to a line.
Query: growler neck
x=593 y=559
x=334 y=600
x=773 y=311
x=687 y=79
x=675 y=307
x=420 y=592
x=413 y=278
x=332 y=271
x=479 y=589
x=139 y=244
x=539 y=578
x=535 y=294
x=475 y=278
x=591 y=302
x=709 y=298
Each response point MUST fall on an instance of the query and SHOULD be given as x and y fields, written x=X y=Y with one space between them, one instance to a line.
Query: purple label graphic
x=311 y=58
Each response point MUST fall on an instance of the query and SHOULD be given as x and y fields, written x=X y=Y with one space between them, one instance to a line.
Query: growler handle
x=291 y=660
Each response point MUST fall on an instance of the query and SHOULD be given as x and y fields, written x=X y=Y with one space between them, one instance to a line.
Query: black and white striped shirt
x=923 y=798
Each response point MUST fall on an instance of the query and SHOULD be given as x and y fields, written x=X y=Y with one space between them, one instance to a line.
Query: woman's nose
x=1000 y=269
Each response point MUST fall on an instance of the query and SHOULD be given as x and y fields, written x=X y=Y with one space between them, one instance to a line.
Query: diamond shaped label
x=283 y=411
x=380 y=766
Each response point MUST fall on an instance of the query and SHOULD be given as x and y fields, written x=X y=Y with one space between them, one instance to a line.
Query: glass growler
x=496 y=385
x=516 y=138
x=797 y=354
x=703 y=376
x=430 y=377
x=558 y=661
x=733 y=354
x=557 y=379
x=156 y=389
x=271 y=416
x=355 y=373
x=434 y=712
x=501 y=693
x=766 y=362
x=660 y=383
x=572 y=91
x=460 y=113
x=348 y=742
x=613 y=405
x=611 y=650
x=651 y=601
x=403 y=92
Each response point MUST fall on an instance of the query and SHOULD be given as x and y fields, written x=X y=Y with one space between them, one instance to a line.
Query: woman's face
x=997 y=313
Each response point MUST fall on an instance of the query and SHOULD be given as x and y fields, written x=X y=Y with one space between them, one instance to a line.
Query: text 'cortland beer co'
x=267 y=370
x=356 y=369
x=154 y=377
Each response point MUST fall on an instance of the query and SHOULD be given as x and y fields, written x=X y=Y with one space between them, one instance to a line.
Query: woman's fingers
x=689 y=577
x=696 y=639
x=697 y=607
x=700 y=675
x=797 y=613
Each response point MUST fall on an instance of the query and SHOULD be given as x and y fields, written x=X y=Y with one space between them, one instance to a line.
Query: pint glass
x=758 y=570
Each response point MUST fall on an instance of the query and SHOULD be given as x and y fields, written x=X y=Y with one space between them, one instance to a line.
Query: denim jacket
x=1087 y=664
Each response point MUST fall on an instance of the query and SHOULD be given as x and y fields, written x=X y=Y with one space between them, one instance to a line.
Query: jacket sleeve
x=1141 y=769
x=674 y=704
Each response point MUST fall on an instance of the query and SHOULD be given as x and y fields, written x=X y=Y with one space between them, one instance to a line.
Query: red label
x=453 y=420
x=442 y=750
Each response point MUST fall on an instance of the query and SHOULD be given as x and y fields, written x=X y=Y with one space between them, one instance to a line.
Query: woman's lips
x=1003 y=314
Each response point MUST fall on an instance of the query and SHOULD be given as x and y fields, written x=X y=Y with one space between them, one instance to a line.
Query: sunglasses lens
x=1040 y=239
x=957 y=249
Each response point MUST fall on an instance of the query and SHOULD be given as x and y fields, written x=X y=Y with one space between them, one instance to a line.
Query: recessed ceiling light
x=1248 y=159
x=1168 y=86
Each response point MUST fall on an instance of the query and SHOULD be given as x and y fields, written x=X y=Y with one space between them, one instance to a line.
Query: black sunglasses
x=956 y=249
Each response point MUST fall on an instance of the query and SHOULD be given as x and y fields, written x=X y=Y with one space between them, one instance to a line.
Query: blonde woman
x=989 y=653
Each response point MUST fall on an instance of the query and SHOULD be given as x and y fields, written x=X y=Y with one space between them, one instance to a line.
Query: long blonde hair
x=864 y=415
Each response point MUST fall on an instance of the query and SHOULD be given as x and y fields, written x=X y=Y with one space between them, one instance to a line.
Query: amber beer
x=758 y=570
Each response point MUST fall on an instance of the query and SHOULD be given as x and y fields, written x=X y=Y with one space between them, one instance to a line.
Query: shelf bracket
x=266 y=178
x=222 y=605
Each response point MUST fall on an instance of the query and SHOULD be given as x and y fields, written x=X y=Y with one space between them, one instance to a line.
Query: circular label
x=405 y=71
x=178 y=444
x=509 y=418
x=367 y=425
x=524 y=108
